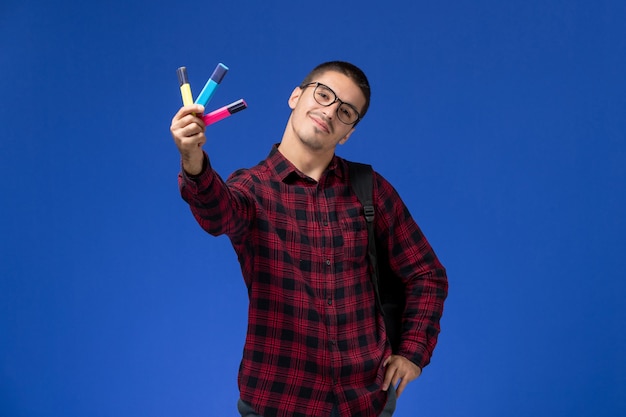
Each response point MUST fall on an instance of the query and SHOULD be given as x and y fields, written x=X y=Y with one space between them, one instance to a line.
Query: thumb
x=386 y=361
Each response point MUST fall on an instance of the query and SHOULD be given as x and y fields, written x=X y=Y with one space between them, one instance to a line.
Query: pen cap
x=237 y=106
x=219 y=73
x=182 y=75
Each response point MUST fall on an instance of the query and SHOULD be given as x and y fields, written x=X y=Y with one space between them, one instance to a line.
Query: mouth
x=321 y=123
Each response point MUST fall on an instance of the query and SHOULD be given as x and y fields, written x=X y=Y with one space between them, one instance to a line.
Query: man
x=316 y=344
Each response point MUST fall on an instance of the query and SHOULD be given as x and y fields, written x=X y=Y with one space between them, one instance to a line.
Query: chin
x=312 y=143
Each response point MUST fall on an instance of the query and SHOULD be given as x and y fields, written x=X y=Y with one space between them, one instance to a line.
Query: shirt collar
x=286 y=171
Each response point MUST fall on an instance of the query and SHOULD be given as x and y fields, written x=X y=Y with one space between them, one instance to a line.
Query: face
x=316 y=126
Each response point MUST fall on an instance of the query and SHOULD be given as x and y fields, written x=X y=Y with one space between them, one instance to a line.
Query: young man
x=316 y=344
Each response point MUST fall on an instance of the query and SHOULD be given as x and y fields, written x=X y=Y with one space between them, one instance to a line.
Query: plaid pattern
x=314 y=336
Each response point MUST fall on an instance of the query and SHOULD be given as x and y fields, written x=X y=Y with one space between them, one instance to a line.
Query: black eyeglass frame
x=337 y=99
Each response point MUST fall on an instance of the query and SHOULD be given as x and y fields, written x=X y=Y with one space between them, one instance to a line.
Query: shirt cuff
x=194 y=183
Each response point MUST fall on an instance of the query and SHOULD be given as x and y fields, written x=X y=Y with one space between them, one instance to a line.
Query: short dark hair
x=347 y=69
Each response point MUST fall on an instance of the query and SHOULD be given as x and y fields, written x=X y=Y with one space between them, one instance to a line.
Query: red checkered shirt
x=315 y=337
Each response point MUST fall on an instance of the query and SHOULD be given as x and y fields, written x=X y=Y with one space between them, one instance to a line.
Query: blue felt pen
x=211 y=85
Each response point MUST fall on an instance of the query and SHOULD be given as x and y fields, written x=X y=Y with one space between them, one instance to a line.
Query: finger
x=191 y=129
x=189 y=120
x=400 y=375
x=418 y=372
x=386 y=361
x=193 y=142
x=186 y=110
x=190 y=125
x=187 y=127
x=389 y=377
x=189 y=142
x=401 y=387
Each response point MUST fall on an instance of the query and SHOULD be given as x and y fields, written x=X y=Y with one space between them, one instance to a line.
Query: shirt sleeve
x=412 y=259
x=218 y=207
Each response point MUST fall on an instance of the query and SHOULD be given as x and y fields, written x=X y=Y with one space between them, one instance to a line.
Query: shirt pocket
x=354 y=232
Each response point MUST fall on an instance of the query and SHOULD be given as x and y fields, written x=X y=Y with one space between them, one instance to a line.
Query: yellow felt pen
x=185 y=88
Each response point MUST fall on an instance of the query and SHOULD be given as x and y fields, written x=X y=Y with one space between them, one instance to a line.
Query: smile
x=321 y=123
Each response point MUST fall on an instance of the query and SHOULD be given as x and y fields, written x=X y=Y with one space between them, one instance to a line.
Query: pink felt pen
x=224 y=112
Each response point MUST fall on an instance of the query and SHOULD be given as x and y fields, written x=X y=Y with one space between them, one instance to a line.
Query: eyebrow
x=336 y=95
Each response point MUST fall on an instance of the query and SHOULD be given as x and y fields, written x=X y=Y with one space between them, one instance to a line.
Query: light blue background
x=501 y=123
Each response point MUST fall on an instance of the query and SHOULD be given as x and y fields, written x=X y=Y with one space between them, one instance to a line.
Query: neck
x=311 y=162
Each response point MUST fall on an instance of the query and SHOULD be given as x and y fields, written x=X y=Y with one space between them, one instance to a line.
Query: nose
x=331 y=110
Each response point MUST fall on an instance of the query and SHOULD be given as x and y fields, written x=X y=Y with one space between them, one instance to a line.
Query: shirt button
x=330 y=301
x=328 y=262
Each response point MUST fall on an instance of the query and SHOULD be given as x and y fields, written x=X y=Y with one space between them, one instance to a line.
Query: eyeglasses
x=323 y=95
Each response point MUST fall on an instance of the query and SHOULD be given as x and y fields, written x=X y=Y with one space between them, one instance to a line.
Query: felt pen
x=224 y=112
x=211 y=85
x=185 y=88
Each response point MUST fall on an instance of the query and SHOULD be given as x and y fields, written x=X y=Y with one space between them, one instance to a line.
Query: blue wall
x=501 y=124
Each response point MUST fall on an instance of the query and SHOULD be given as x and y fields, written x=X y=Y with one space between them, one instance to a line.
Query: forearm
x=412 y=259
x=426 y=293
x=218 y=208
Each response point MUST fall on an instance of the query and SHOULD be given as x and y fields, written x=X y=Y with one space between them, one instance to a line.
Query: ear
x=345 y=138
x=294 y=97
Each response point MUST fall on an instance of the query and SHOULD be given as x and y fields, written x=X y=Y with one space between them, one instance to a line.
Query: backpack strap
x=362 y=182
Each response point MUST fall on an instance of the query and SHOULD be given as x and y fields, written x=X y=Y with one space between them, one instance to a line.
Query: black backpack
x=388 y=287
